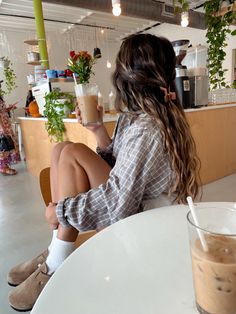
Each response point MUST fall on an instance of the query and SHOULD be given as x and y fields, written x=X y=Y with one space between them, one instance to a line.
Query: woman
x=152 y=152
x=9 y=153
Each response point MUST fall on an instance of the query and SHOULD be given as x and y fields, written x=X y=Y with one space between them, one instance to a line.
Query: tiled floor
x=24 y=233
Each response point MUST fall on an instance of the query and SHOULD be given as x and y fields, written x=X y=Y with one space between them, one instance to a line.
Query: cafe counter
x=213 y=128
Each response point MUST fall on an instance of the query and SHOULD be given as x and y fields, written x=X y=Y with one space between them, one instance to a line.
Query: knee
x=57 y=150
x=73 y=152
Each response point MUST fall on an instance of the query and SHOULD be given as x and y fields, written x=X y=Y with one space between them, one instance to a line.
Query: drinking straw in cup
x=200 y=234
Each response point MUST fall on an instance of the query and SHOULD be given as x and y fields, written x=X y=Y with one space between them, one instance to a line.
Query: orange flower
x=81 y=64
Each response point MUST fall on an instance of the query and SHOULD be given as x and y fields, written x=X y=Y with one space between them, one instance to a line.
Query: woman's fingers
x=78 y=114
x=100 y=108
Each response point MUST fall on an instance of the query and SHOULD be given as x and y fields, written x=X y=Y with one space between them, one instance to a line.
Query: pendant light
x=184 y=19
x=116 y=9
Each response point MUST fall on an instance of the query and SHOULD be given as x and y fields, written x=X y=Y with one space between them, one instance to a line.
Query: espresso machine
x=196 y=62
x=182 y=80
x=191 y=74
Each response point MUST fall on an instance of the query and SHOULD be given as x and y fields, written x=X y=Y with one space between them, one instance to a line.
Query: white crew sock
x=59 y=251
x=54 y=235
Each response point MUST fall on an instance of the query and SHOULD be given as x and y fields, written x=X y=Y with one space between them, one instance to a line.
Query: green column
x=38 y=12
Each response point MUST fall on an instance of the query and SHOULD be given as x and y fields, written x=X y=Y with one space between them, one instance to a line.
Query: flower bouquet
x=81 y=64
x=86 y=93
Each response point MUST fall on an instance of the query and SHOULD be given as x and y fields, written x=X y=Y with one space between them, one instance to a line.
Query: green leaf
x=233 y=33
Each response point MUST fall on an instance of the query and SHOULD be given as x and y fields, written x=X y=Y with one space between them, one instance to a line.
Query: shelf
x=32 y=42
x=34 y=63
x=61 y=80
x=53 y=80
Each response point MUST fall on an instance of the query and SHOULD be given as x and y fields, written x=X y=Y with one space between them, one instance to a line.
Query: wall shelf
x=34 y=63
x=61 y=80
x=31 y=42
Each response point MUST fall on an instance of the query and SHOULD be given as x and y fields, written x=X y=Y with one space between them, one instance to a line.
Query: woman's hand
x=51 y=216
x=92 y=128
x=12 y=107
x=99 y=130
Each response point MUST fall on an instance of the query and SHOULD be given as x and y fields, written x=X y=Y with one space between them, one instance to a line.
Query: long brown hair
x=144 y=65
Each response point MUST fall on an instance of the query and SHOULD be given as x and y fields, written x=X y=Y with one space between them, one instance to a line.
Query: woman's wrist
x=102 y=138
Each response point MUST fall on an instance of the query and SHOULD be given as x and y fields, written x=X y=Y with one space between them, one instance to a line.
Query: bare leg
x=56 y=152
x=75 y=169
x=79 y=169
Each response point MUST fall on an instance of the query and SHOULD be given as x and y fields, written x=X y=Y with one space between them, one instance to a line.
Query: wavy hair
x=144 y=65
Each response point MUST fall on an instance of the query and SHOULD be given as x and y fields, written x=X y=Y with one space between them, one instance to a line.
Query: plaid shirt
x=141 y=172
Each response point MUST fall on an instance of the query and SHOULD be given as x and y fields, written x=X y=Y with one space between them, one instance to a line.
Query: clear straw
x=74 y=78
x=193 y=212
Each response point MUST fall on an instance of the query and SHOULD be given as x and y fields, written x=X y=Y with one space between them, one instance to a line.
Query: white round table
x=139 y=265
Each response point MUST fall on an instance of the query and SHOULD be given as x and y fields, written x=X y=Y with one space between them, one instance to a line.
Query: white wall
x=11 y=45
x=59 y=45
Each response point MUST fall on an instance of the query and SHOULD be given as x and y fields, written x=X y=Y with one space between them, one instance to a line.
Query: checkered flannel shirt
x=141 y=171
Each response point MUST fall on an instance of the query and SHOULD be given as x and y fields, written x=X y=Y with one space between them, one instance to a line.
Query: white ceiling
x=118 y=26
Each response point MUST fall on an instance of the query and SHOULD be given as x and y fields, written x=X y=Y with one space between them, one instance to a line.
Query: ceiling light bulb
x=116 y=9
x=102 y=30
x=184 y=19
x=108 y=64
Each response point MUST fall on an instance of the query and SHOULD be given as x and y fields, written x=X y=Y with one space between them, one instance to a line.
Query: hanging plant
x=54 y=110
x=10 y=76
x=180 y=6
x=218 y=28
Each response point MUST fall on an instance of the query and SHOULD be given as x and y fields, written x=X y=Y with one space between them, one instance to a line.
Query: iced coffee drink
x=88 y=108
x=87 y=99
x=214 y=259
x=214 y=275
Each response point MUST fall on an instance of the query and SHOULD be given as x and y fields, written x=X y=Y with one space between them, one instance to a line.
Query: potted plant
x=57 y=105
x=10 y=76
x=218 y=28
x=180 y=6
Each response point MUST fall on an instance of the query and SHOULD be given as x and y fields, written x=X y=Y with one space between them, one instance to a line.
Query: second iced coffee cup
x=214 y=267
x=87 y=98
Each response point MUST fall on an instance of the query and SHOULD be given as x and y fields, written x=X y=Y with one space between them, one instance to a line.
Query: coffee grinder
x=182 y=80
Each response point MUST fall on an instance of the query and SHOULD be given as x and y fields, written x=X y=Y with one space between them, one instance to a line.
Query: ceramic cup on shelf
x=32 y=56
x=51 y=73
x=61 y=73
x=68 y=73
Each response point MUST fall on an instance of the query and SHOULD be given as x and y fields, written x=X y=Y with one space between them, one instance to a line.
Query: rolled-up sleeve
x=139 y=159
x=107 y=154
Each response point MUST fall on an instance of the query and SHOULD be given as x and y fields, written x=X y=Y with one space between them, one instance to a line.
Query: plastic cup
x=214 y=271
x=87 y=99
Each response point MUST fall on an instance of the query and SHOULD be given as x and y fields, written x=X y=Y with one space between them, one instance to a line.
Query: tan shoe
x=23 y=297
x=21 y=272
